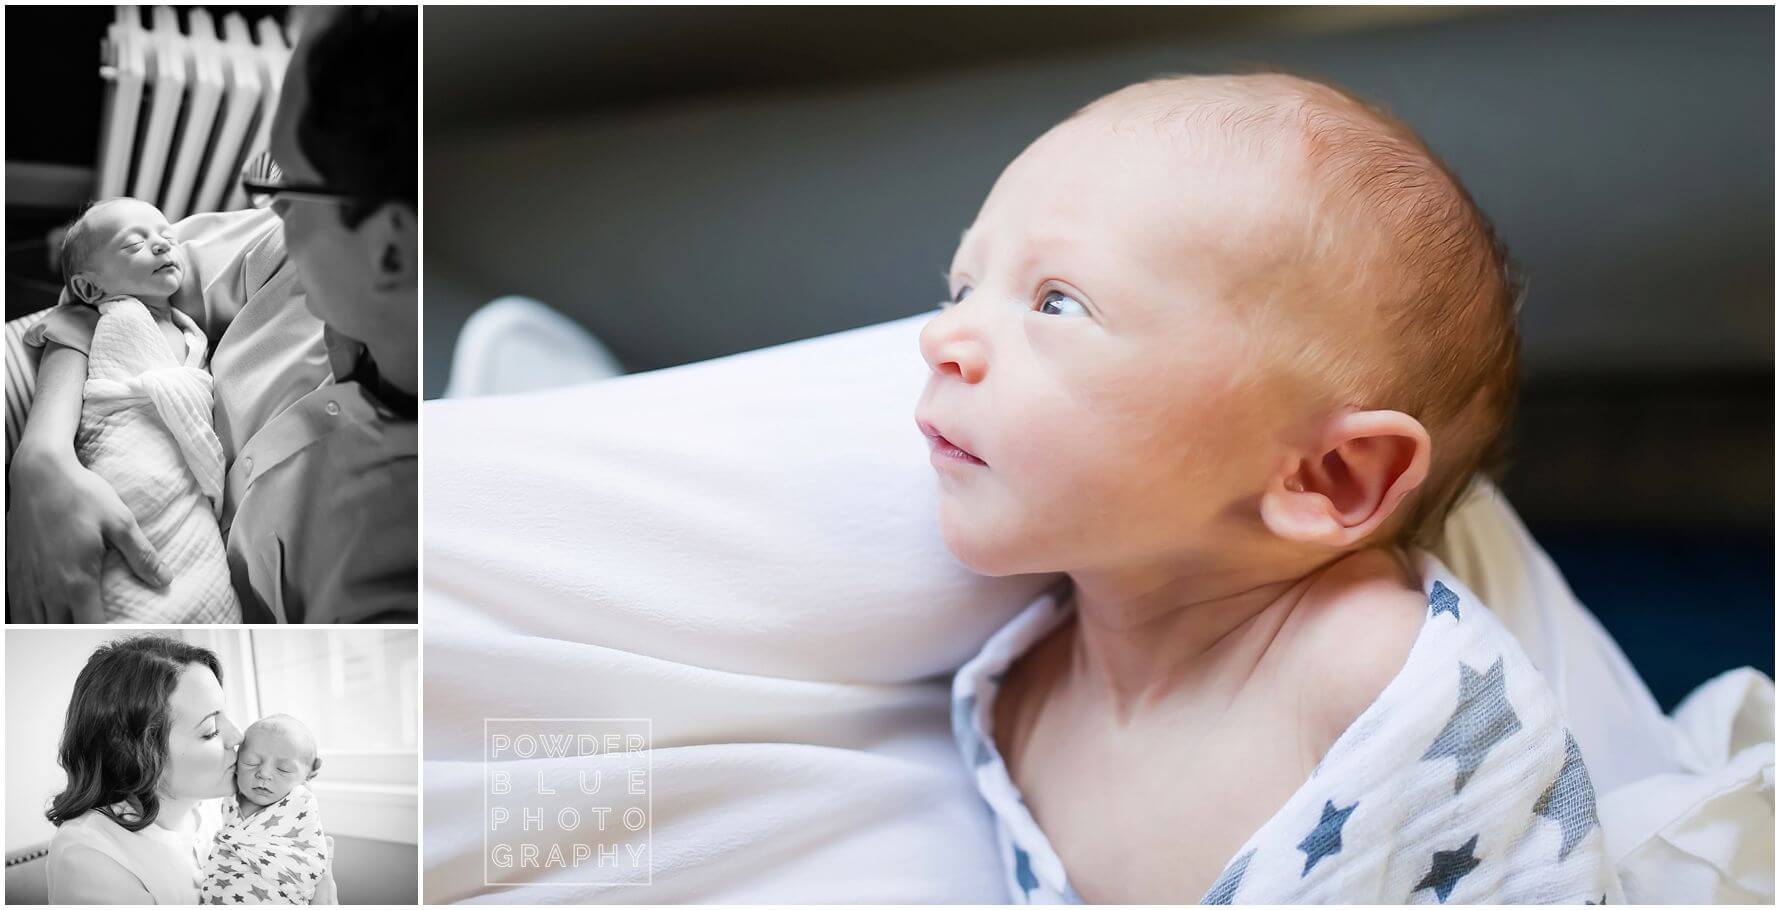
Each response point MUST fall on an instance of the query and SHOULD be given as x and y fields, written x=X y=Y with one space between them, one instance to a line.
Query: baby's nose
x=950 y=345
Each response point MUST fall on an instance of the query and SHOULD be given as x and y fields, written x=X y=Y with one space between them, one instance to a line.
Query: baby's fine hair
x=1391 y=226
x=290 y=724
x=78 y=243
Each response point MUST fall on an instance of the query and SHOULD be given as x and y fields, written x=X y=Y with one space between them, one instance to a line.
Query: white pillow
x=771 y=516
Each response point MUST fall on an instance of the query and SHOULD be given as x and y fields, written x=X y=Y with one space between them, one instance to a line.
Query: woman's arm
x=63 y=515
x=326 y=892
x=82 y=875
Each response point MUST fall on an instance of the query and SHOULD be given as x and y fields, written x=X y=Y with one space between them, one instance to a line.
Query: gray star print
x=1482 y=719
x=1570 y=800
x=1325 y=838
x=1223 y=891
x=259 y=892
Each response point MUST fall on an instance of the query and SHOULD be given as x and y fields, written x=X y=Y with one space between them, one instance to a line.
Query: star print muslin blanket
x=1459 y=784
x=145 y=427
x=275 y=856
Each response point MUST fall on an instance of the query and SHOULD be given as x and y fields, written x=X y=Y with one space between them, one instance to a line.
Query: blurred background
x=358 y=690
x=688 y=183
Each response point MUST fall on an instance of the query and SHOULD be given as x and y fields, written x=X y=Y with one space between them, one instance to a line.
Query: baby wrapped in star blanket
x=145 y=427
x=1459 y=784
x=275 y=856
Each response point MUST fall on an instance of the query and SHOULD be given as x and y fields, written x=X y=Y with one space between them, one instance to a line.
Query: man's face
x=1094 y=363
x=337 y=263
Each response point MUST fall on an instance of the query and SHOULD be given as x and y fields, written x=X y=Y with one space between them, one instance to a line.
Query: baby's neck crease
x=1136 y=640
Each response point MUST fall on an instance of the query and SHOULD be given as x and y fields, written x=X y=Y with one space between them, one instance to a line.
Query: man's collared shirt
x=326 y=505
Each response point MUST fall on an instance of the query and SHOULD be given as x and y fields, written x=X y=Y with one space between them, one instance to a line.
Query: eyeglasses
x=263 y=182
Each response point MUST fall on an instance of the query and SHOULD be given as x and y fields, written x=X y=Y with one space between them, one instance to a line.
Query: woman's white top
x=164 y=861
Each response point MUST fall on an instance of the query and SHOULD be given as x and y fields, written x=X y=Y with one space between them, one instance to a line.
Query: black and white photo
x=211 y=344
x=211 y=766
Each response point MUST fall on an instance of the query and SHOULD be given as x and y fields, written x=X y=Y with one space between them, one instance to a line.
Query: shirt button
x=247 y=463
x=333 y=409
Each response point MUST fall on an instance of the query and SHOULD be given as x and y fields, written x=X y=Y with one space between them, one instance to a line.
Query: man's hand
x=62 y=519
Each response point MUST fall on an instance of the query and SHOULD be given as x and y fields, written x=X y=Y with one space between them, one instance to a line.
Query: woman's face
x=201 y=744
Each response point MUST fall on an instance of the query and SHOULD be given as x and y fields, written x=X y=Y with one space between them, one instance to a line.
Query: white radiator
x=185 y=108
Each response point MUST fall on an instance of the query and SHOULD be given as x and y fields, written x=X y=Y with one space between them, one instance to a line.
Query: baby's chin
x=259 y=799
x=982 y=543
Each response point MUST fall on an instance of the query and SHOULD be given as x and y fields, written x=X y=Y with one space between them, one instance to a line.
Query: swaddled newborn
x=145 y=420
x=1225 y=350
x=271 y=849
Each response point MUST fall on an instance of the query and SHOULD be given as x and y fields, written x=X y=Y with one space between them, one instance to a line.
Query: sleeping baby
x=1225 y=350
x=145 y=412
x=270 y=849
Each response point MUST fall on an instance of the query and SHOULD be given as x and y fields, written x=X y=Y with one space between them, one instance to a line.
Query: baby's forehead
x=110 y=218
x=280 y=736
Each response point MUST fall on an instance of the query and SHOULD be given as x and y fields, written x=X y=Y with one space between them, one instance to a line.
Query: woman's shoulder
x=84 y=866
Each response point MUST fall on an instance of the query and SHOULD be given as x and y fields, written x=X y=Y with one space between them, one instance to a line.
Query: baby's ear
x=84 y=288
x=1367 y=463
x=314 y=768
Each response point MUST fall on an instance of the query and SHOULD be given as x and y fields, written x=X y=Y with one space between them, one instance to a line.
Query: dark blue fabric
x=1685 y=605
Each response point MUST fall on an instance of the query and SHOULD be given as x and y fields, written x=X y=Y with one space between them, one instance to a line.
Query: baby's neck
x=1142 y=634
x=159 y=306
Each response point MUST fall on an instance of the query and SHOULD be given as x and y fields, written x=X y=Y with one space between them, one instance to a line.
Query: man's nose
x=953 y=343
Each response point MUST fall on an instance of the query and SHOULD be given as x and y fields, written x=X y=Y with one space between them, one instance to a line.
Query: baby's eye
x=1057 y=303
x=959 y=295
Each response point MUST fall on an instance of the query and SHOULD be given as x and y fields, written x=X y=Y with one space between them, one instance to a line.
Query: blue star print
x=1325 y=838
x=1023 y=871
x=1449 y=866
x=1442 y=600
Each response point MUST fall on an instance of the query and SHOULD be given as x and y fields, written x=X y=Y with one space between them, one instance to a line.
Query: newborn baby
x=145 y=412
x=270 y=849
x=1225 y=350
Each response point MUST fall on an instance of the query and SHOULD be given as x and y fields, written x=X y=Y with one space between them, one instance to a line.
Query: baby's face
x=273 y=759
x=132 y=250
x=1095 y=361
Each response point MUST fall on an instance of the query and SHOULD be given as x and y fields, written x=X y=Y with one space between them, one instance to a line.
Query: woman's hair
x=114 y=742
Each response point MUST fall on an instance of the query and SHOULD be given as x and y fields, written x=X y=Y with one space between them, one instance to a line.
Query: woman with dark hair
x=145 y=744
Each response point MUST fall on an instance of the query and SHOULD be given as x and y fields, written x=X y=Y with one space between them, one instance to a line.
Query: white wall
x=41 y=665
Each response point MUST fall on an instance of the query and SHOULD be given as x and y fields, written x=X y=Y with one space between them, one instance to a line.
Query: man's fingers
x=133 y=546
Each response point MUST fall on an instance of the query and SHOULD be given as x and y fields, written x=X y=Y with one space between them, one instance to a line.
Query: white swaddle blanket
x=145 y=427
x=1459 y=784
x=275 y=856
